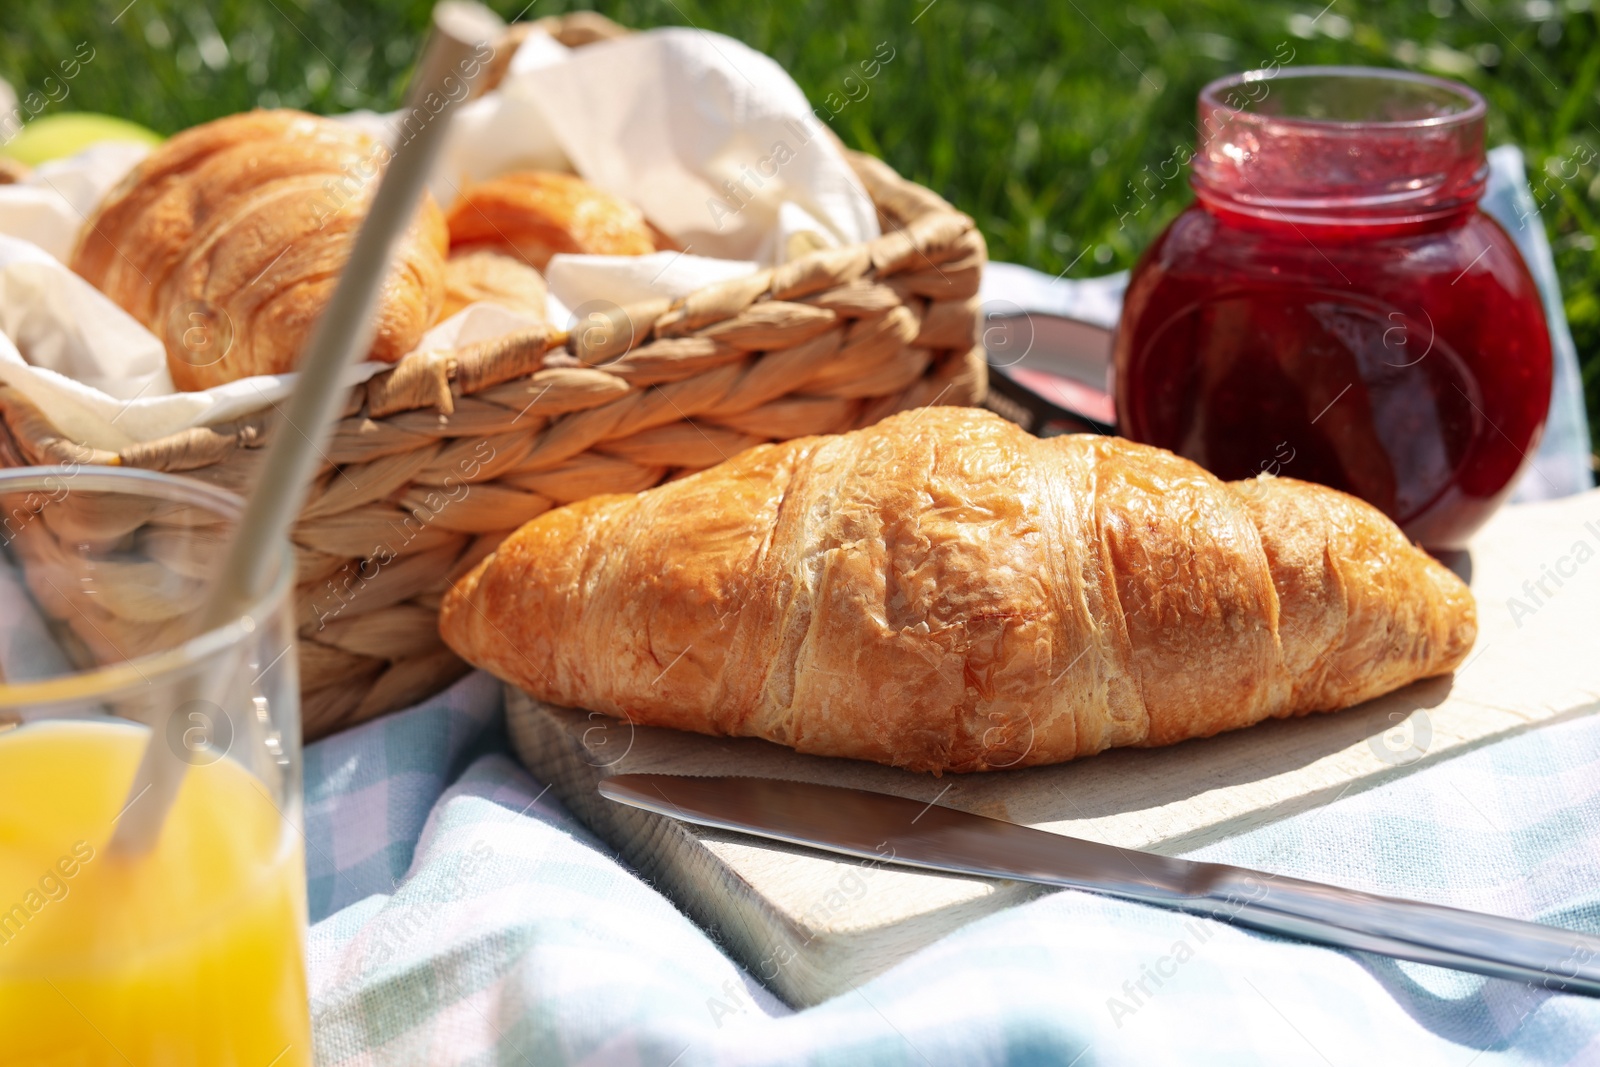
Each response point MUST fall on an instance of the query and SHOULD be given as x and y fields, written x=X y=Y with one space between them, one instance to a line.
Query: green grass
x=1048 y=121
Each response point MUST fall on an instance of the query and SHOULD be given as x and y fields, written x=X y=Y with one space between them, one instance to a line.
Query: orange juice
x=191 y=955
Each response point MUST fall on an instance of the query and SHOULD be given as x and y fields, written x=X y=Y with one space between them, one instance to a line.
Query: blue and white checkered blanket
x=461 y=916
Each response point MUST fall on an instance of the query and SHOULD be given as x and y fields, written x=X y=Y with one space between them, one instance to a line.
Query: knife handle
x=1426 y=933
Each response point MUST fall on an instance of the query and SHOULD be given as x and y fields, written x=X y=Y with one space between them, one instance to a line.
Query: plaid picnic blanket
x=461 y=916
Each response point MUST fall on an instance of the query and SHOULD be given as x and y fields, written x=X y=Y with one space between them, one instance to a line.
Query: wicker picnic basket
x=436 y=460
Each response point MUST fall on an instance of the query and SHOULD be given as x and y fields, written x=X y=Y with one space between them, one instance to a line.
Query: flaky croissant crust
x=943 y=591
x=535 y=215
x=228 y=239
x=495 y=277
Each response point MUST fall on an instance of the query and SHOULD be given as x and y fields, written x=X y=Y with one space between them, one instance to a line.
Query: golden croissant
x=534 y=215
x=227 y=241
x=493 y=276
x=944 y=592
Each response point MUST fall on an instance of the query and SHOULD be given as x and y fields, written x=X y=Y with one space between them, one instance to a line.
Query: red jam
x=1336 y=308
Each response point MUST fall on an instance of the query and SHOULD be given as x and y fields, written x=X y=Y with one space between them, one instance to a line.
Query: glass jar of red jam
x=1335 y=306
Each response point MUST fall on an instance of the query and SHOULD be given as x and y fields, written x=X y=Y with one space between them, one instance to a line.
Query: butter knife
x=891 y=829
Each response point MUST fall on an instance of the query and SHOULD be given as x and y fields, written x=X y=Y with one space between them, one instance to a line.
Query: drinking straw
x=456 y=54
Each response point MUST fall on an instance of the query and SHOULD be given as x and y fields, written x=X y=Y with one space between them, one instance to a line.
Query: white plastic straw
x=455 y=56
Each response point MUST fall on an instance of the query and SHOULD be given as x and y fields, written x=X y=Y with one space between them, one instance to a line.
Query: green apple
x=56 y=136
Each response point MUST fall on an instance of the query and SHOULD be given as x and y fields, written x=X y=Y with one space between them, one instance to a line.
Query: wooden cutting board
x=813 y=925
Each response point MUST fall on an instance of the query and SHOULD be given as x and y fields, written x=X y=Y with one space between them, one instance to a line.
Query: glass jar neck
x=1332 y=225
x=1349 y=148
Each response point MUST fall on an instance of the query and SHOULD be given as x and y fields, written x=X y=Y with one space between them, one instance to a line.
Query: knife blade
x=892 y=829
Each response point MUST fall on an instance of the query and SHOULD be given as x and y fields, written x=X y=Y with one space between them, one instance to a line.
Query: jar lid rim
x=1211 y=99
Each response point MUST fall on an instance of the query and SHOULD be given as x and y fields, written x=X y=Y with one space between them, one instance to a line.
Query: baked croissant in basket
x=943 y=591
x=227 y=241
x=535 y=214
x=493 y=276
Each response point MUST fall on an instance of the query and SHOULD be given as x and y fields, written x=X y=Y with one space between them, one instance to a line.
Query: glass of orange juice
x=191 y=953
